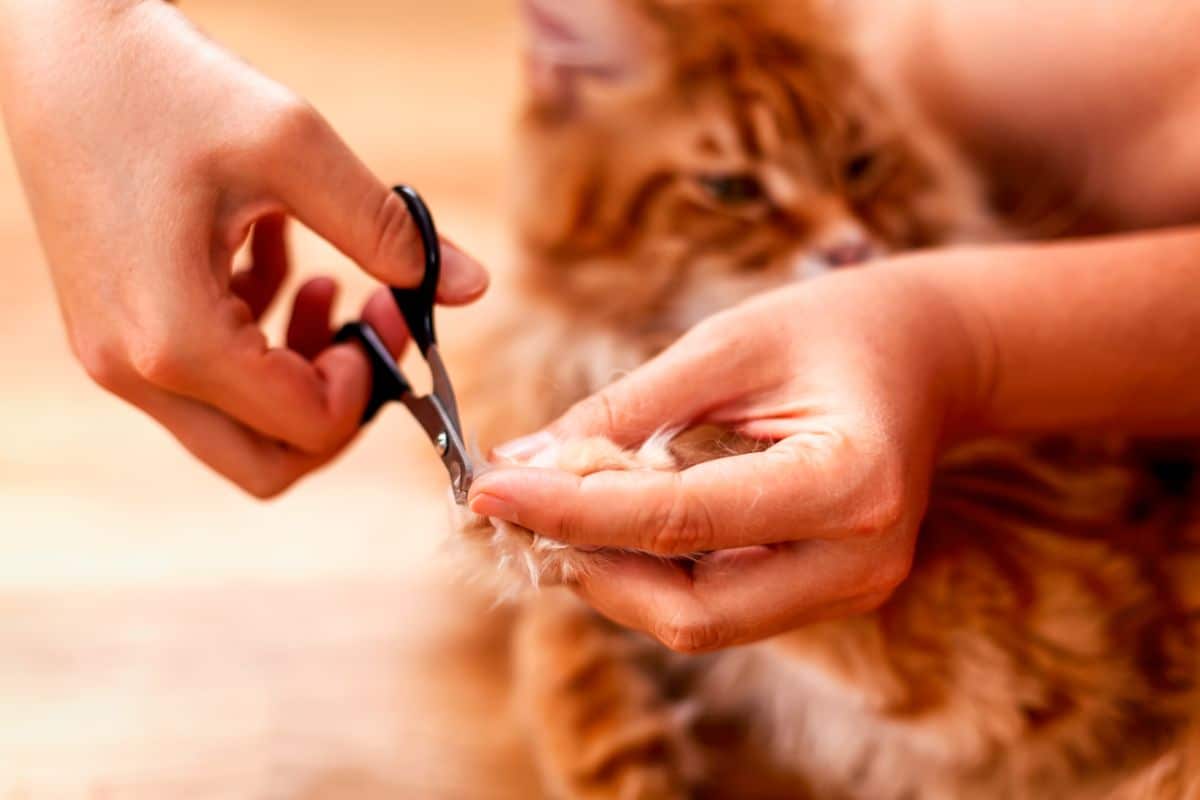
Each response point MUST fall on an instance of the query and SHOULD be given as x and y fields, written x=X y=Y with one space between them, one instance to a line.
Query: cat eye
x=733 y=190
x=860 y=167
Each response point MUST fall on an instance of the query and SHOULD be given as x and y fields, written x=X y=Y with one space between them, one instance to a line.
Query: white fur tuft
x=511 y=559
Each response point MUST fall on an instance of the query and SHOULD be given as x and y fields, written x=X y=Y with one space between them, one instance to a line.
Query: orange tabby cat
x=682 y=155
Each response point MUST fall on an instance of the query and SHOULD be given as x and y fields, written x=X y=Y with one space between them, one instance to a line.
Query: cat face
x=681 y=155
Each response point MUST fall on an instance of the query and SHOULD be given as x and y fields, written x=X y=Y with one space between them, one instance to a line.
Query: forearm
x=1100 y=334
x=81 y=80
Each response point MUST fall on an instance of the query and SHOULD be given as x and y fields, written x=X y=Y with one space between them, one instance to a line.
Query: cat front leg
x=601 y=726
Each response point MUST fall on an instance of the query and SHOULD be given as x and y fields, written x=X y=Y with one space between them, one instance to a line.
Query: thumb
x=332 y=191
x=679 y=387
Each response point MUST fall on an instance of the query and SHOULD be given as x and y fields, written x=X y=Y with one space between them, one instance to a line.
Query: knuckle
x=604 y=409
x=160 y=359
x=887 y=511
x=275 y=137
x=291 y=121
x=683 y=526
x=102 y=365
x=268 y=484
x=265 y=489
x=168 y=350
x=692 y=634
x=569 y=527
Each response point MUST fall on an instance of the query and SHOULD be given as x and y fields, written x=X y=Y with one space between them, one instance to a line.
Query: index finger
x=792 y=491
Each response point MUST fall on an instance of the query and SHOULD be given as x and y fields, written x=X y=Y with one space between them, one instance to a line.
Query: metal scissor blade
x=443 y=389
x=443 y=431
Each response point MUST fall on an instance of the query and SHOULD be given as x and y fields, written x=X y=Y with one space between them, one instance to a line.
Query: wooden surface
x=163 y=637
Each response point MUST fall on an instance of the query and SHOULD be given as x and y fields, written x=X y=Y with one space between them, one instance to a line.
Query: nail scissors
x=437 y=413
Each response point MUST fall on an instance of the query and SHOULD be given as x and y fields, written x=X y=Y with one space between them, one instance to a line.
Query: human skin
x=863 y=377
x=149 y=154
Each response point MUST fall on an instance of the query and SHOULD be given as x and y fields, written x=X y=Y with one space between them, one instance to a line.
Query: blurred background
x=163 y=636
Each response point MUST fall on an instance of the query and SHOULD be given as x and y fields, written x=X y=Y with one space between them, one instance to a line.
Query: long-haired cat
x=679 y=156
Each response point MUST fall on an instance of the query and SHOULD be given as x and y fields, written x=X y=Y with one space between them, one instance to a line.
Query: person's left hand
x=856 y=379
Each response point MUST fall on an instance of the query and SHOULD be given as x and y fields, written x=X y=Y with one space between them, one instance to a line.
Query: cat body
x=682 y=155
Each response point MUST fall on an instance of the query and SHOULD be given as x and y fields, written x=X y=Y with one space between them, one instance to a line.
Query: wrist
x=956 y=345
x=1077 y=336
x=51 y=49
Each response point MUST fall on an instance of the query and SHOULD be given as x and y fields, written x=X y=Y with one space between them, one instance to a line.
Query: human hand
x=855 y=378
x=149 y=154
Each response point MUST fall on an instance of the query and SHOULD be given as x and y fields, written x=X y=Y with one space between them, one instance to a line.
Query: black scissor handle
x=417 y=304
x=387 y=381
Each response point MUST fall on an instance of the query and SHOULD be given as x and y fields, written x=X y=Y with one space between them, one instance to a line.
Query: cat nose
x=843 y=243
x=848 y=251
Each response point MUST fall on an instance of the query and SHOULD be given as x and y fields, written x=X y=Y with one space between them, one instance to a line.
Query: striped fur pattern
x=680 y=155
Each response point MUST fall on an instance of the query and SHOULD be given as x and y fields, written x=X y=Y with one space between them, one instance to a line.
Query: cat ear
x=584 y=38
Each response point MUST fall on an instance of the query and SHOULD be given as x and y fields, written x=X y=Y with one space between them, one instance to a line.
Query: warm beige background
x=163 y=637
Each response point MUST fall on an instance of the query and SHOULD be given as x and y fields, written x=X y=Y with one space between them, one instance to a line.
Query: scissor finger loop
x=437 y=412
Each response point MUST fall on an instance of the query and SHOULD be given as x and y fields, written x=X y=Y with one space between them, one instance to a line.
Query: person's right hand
x=149 y=154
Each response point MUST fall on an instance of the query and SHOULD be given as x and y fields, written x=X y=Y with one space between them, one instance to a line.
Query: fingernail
x=524 y=449
x=488 y=505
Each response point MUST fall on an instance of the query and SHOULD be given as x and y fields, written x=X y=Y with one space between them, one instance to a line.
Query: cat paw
x=513 y=558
